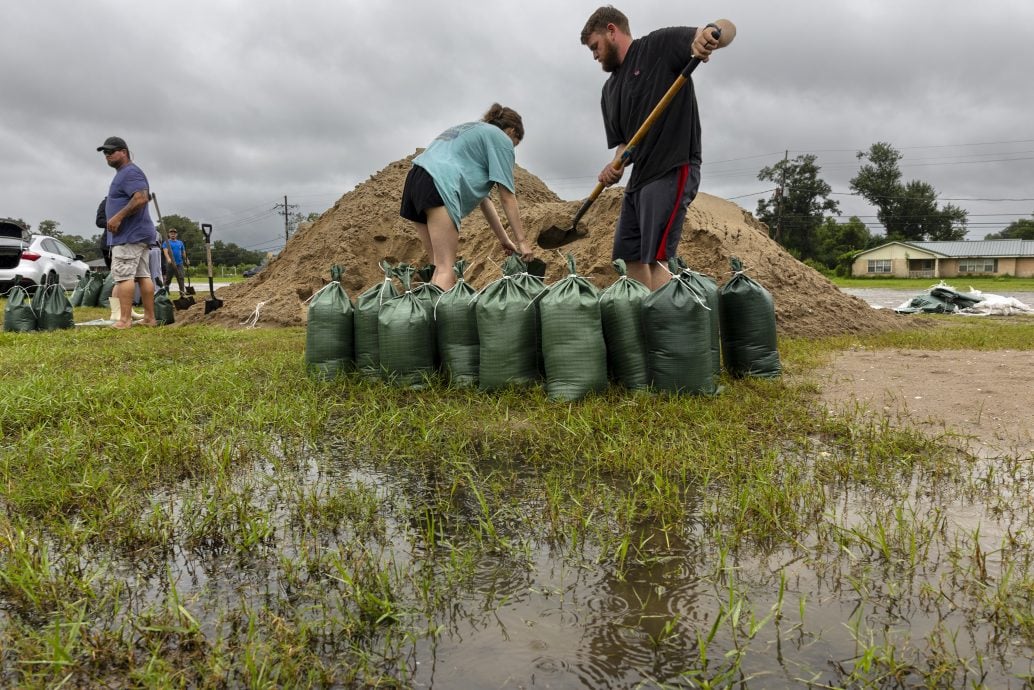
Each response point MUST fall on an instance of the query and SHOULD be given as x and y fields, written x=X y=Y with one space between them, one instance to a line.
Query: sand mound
x=364 y=227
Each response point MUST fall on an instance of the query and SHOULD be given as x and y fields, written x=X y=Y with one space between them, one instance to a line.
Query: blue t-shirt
x=128 y=180
x=465 y=162
x=177 y=248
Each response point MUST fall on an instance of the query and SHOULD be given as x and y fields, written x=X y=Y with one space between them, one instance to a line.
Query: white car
x=36 y=260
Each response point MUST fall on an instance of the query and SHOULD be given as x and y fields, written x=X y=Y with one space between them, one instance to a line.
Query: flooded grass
x=185 y=507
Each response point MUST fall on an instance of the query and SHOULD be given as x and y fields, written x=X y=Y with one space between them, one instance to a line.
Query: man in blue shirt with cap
x=131 y=233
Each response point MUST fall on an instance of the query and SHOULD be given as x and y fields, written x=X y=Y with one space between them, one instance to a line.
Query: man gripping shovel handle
x=555 y=236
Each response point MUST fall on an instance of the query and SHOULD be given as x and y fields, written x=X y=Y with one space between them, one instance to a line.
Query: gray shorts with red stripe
x=650 y=224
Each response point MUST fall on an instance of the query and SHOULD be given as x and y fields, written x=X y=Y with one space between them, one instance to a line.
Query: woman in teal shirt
x=455 y=174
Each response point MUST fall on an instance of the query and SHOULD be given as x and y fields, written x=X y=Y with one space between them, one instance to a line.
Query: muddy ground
x=980 y=400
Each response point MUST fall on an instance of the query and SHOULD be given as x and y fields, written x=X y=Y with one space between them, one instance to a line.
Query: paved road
x=889 y=299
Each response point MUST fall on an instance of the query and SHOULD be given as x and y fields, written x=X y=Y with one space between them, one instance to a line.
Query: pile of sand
x=364 y=227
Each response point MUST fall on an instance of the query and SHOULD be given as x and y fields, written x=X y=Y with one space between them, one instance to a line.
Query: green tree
x=797 y=208
x=49 y=227
x=223 y=253
x=87 y=247
x=1022 y=229
x=907 y=211
x=838 y=239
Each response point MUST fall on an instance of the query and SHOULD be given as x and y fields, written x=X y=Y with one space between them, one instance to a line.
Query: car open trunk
x=12 y=242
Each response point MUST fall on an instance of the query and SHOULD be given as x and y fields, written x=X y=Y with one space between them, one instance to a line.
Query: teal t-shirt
x=465 y=161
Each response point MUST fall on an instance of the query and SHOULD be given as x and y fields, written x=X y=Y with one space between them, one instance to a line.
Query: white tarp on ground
x=944 y=299
x=996 y=304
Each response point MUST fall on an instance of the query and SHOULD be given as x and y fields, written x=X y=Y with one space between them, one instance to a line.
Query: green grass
x=186 y=507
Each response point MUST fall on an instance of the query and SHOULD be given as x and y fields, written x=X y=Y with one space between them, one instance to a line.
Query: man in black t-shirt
x=666 y=163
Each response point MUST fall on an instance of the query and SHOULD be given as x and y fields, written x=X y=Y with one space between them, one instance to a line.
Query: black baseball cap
x=113 y=144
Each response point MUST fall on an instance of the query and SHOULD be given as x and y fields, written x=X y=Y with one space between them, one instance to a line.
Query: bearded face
x=604 y=51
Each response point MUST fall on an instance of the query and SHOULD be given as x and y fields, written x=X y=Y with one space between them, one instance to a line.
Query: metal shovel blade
x=183 y=302
x=212 y=304
x=555 y=237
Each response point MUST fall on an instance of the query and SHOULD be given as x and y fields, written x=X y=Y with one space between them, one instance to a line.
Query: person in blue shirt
x=176 y=258
x=454 y=175
x=131 y=233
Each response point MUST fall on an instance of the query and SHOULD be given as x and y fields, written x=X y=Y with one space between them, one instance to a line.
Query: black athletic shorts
x=418 y=195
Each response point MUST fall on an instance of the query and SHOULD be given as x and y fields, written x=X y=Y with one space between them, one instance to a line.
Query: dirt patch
x=981 y=398
x=364 y=227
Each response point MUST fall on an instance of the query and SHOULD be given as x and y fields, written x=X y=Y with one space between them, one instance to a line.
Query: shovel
x=211 y=304
x=180 y=302
x=554 y=236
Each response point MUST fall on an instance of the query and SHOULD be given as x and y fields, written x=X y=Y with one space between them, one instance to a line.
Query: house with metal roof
x=947 y=259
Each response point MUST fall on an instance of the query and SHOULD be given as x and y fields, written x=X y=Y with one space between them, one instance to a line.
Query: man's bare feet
x=146 y=322
x=121 y=325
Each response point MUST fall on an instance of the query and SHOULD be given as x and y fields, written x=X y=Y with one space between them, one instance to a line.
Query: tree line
x=796 y=213
x=189 y=231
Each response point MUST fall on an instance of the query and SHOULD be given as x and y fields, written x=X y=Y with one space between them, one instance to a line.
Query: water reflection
x=452 y=576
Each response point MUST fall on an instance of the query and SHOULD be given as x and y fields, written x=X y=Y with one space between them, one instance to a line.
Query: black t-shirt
x=650 y=67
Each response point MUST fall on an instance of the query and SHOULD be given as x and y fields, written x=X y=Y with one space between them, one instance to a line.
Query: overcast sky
x=228 y=106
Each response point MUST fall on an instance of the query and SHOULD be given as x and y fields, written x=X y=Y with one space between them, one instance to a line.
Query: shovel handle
x=661 y=106
x=588 y=202
x=158 y=211
x=620 y=161
x=206 y=230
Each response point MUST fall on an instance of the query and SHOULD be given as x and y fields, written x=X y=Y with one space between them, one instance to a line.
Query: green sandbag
x=748 y=327
x=164 y=311
x=708 y=287
x=55 y=311
x=534 y=286
x=507 y=324
x=429 y=293
x=456 y=331
x=678 y=339
x=367 y=308
x=105 y=292
x=19 y=316
x=330 y=330
x=92 y=290
x=405 y=336
x=515 y=266
x=77 y=294
x=572 y=338
x=621 y=309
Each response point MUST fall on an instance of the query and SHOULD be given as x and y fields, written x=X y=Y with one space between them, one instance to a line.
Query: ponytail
x=504 y=118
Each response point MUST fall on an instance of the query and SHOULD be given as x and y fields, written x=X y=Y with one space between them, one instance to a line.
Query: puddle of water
x=526 y=608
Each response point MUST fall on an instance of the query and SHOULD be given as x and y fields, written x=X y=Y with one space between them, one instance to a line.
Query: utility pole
x=284 y=209
x=780 y=194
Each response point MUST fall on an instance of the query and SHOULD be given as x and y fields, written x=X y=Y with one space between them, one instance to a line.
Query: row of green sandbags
x=516 y=330
x=93 y=290
x=48 y=309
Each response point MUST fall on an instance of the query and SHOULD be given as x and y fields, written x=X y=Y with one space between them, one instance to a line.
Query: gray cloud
x=229 y=106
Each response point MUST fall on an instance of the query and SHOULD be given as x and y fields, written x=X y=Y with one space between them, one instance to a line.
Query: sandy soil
x=982 y=394
x=980 y=399
x=363 y=227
